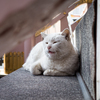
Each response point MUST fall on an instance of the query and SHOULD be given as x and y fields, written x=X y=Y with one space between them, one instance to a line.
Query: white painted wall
x=54 y=28
x=77 y=13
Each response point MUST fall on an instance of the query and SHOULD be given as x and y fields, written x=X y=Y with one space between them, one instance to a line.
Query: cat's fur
x=55 y=55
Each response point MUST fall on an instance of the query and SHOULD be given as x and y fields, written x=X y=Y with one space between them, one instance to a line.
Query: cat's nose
x=49 y=47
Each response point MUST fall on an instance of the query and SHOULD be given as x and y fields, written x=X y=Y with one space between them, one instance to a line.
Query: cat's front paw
x=36 y=70
x=47 y=72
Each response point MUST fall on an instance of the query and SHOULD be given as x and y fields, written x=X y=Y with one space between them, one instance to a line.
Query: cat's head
x=57 y=45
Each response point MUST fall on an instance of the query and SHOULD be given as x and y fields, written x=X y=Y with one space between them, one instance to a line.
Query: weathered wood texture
x=20 y=22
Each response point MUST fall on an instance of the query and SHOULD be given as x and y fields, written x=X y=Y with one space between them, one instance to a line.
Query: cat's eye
x=55 y=42
x=46 y=42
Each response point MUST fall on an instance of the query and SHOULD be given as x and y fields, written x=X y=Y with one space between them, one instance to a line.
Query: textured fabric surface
x=21 y=85
x=86 y=45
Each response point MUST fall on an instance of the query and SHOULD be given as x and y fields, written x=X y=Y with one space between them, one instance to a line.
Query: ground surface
x=21 y=85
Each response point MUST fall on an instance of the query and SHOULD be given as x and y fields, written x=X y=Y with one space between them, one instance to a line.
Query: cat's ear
x=66 y=33
x=43 y=35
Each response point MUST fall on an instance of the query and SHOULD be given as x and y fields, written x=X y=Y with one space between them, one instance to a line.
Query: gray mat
x=21 y=85
x=85 y=40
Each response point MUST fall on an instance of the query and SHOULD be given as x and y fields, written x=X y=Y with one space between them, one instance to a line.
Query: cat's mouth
x=51 y=52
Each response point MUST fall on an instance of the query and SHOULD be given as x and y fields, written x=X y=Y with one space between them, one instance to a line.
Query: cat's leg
x=36 y=69
x=53 y=72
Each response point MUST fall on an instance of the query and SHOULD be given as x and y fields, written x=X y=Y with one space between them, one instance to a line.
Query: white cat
x=55 y=55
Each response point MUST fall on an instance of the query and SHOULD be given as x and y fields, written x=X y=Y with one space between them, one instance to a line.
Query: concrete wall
x=85 y=41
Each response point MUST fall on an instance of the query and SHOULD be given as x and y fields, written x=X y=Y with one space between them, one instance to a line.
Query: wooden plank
x=4 y=63
x=11 y=62
x=15 y=61
x=22 y=58
x=22 y=22
x=98 y=53
x=15 y=64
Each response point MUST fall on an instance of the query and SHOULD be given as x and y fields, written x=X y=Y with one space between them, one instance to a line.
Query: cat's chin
x=51 y=55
